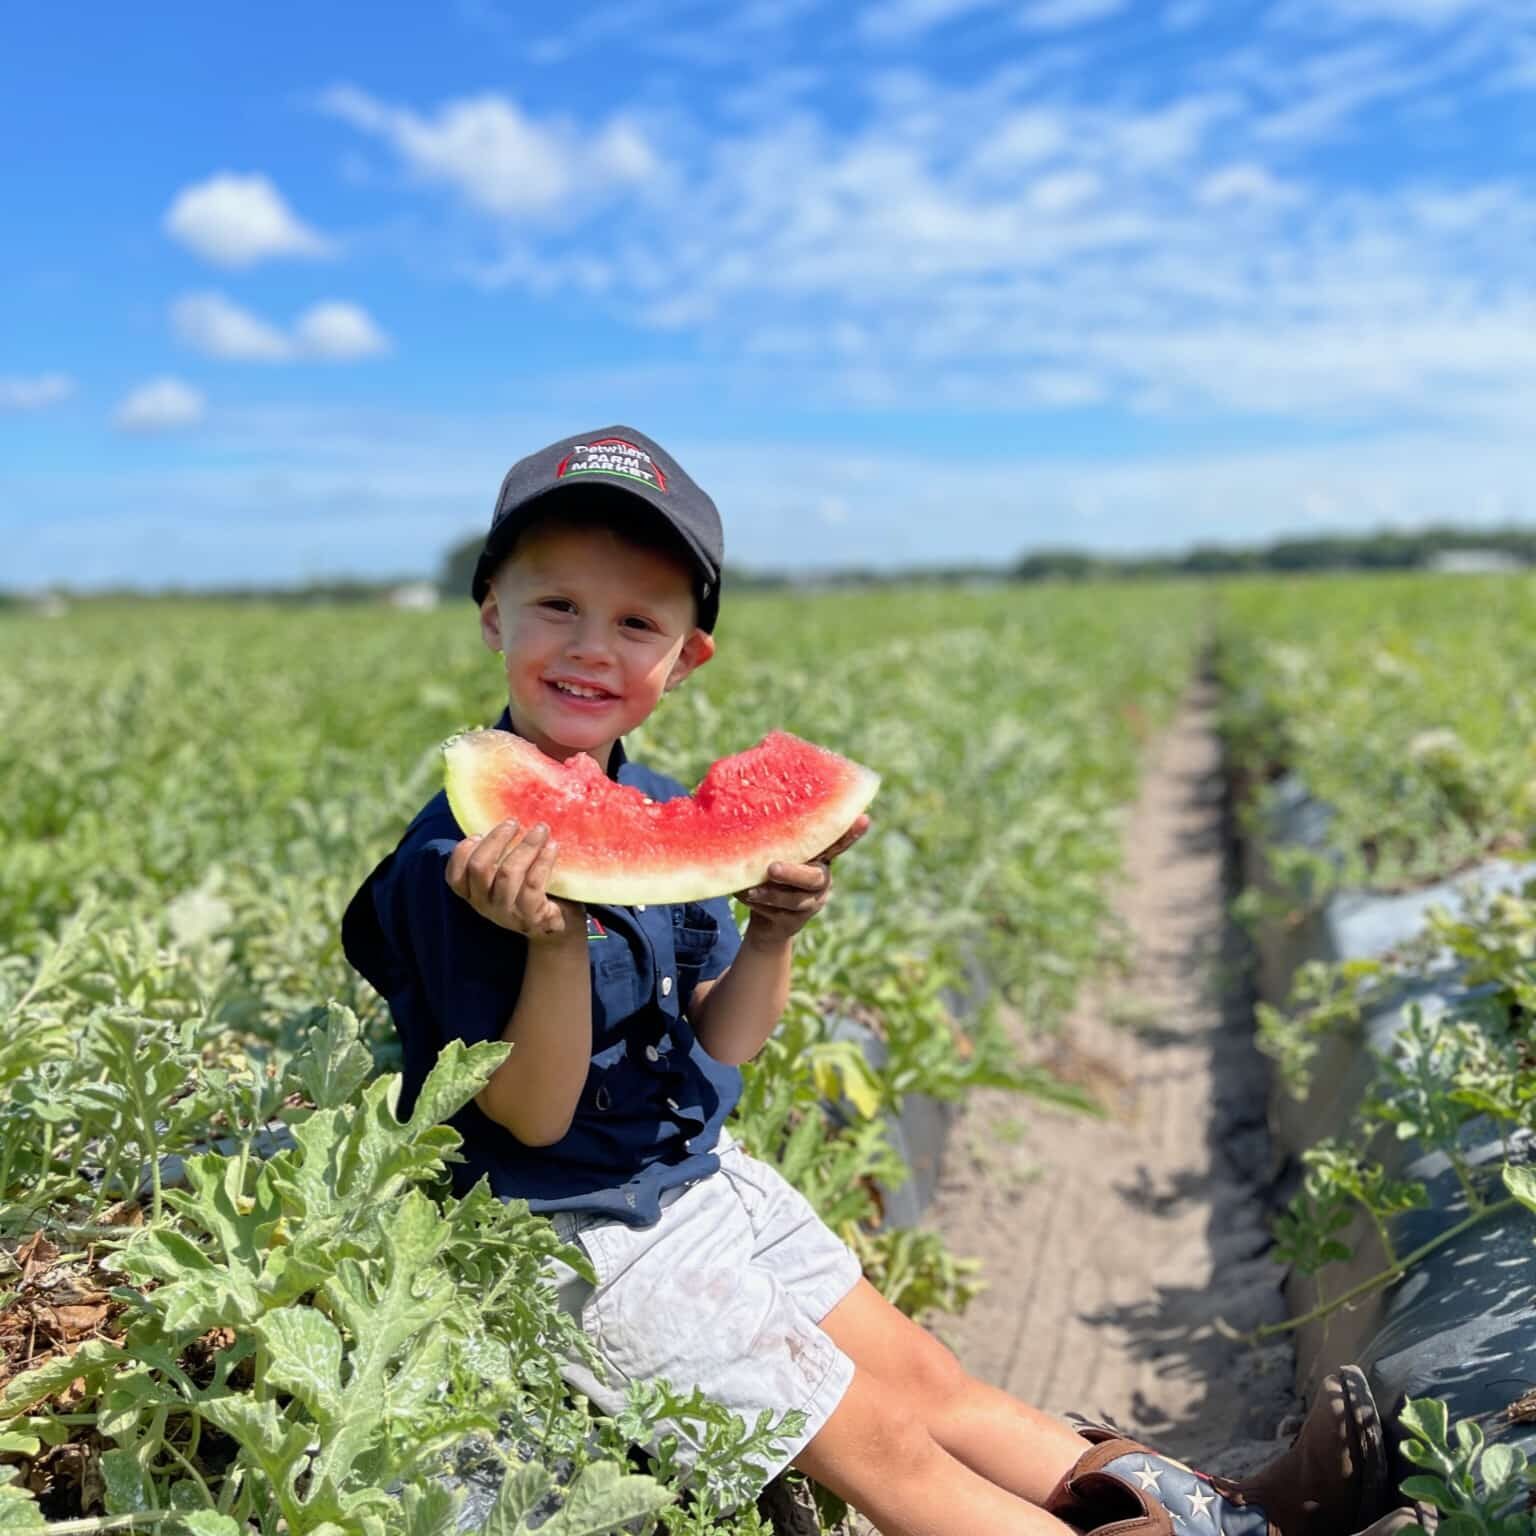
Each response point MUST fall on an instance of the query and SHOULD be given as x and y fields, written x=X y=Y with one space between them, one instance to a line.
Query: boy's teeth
x=581 y=693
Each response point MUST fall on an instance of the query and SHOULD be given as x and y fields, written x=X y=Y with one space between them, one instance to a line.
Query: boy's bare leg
x=876 y=1452
x=1019 y=1448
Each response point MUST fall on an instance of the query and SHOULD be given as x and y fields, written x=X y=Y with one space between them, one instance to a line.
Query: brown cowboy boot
x=1333 y=1481
x=1335 y=1476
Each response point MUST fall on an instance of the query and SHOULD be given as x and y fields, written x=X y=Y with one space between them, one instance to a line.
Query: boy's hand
x=502 y=875
x=794 y=893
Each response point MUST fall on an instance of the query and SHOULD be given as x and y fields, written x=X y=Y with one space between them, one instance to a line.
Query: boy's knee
x=874 y=1438
x=939 y=1380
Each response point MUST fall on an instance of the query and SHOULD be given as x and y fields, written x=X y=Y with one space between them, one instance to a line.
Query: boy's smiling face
x=593 y=630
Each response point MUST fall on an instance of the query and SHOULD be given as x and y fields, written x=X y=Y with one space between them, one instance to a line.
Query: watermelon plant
x=1402 y=701
x=1401 y=704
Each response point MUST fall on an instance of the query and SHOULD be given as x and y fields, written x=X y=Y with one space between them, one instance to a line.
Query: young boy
x=599 y=585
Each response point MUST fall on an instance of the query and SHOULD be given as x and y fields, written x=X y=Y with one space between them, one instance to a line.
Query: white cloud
x=335 y=331
x=1246 y=183
x=235 y=221
x=894 y=21
x=1424 y=13
x=160 y=405
x=1022 y=138
x=500 y=159
x=1181 y=15
x=213 y=325
x=1057 y=388
x=339 y=331
x=22 y=393
x=1036 y=240
x=1062 y=15
x=1065 y=190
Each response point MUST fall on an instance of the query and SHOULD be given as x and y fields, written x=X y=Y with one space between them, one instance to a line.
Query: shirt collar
x=616 y=760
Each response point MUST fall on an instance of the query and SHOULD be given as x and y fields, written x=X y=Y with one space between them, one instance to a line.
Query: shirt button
x=672 y=1104
x=652 y=1054
x=666 y=986
x=641 y=907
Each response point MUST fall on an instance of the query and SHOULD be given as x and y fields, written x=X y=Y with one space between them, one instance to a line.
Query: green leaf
x=430 y=1509
x=1520 y=1181
x=133 y=1393
x=602 y=1499
x=459 y=1073
x=94 y=1361
x=304 y=1358
x=273 y=1444
x=210 y=1301
x=1429 y=1419
x=1460 y=1525
x=1498 y=1467
x=18 y=1509
x=383 y=1313
x=124 y=1479
x=160 y=1253
x=209 y=1522
x=19 y=1444
x=1432 y=1490
x=521 y=1489
x=1469 y=1438
x=337 y=1064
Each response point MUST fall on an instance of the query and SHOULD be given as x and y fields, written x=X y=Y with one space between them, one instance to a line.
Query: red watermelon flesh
x=784 y=800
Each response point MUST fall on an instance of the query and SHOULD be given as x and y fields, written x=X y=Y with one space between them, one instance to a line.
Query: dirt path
x=1111 y=1245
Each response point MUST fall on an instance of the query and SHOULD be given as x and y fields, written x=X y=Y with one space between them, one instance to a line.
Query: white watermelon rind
x=577 y=879
x=473 y=815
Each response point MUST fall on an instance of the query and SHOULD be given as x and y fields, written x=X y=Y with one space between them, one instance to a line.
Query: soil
x=1119 y=1250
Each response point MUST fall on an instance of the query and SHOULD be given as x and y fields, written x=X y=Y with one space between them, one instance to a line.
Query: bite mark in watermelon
x=783 y=800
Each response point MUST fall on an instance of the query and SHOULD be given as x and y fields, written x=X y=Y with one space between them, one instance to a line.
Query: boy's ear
x=490 y=622
x=697 y=649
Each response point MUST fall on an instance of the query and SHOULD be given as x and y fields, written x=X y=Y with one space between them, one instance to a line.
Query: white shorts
x=724 y=1293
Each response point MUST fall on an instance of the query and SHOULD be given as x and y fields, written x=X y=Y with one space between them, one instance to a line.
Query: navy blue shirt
x=654 y=1099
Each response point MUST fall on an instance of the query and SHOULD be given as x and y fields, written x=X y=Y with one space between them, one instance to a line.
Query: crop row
x=189 y=795
x=1405 y=704
x=1388 y=723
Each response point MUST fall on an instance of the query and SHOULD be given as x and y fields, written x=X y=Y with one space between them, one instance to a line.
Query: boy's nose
x=589 y=640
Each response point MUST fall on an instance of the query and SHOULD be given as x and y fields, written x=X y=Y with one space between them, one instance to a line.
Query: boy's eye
x=560 y=603
x=636 y=622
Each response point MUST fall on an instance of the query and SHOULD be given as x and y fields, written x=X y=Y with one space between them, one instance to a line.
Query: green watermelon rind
x=599 y=878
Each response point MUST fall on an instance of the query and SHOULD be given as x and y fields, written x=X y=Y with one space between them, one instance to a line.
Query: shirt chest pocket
x=619 y=982
x=694 y=934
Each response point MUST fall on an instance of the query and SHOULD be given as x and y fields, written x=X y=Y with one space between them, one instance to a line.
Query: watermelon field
x=206 y=1327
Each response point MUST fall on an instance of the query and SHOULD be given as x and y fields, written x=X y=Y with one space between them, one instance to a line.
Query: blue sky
x=286 y=289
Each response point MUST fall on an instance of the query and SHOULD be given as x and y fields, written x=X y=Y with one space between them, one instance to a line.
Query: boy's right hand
x=502 y=875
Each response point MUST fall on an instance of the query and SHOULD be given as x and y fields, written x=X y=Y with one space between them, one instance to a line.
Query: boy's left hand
x=794 y=893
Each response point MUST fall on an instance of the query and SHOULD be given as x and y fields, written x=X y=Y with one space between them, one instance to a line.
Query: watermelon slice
x=783 y=800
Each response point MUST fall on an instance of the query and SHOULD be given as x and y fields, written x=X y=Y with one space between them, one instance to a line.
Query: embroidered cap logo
x=613 y=456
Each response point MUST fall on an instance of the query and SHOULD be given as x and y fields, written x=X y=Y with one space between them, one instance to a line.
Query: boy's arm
x=735 y=1013
x=502 y=875
x=533 y=1093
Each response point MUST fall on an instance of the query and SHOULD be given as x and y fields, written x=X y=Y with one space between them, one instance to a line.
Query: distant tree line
x=332 y=590
x=1384 y=550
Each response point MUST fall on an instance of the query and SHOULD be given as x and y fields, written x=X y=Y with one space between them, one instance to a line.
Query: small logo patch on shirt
x=613 y=456
x=595 y=930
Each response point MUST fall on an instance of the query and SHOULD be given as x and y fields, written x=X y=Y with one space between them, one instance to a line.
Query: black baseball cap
x=615 y=459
